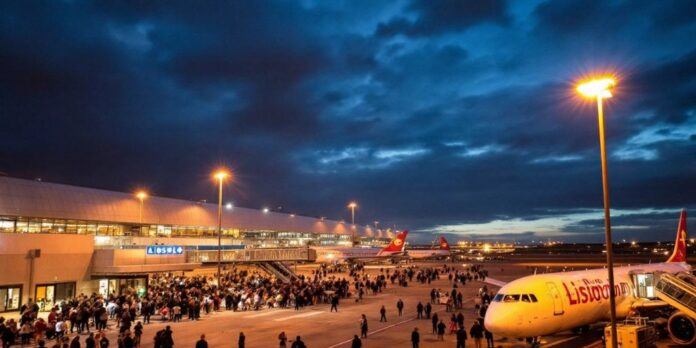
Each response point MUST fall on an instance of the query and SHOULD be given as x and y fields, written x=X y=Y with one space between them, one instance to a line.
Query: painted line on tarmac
x=303 y=315
x=390 y=326
x=263 y=314
x=552 y=344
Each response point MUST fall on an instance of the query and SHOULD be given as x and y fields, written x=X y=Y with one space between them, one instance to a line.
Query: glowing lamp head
x=141 y=195
x=597 y=88
x=221 y=174
x=353 y=205
x=266 y=210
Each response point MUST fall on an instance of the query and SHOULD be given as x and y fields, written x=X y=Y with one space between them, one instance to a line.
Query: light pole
x=141 y=196
x=352 y=206
x=599 y=89
x=220 y=175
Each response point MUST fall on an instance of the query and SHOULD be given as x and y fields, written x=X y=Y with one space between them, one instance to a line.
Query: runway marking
x=390 y=326
x=263 y=314
x=561 y=341
x=303 y=315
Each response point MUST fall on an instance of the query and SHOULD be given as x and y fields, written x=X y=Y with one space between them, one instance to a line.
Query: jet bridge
x=679 y=291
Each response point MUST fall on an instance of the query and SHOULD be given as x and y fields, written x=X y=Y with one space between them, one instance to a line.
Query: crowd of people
x=173 y=298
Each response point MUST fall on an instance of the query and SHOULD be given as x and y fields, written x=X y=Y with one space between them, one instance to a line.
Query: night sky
x=455 y=117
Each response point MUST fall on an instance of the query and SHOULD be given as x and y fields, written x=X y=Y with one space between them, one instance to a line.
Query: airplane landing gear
x=533 y=341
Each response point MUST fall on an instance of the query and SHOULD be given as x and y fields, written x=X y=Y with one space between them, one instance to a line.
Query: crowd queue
x=173 y=298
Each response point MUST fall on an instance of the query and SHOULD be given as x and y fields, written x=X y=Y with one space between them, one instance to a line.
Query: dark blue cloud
x=429 y=113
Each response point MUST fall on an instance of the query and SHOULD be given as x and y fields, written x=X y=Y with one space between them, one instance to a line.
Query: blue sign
x=165 y=250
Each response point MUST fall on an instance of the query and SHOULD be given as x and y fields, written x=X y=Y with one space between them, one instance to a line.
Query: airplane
x=391 y=252
x=545 y=304
x=442 y=251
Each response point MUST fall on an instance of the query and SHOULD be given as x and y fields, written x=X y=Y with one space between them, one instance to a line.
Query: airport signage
x=165 y=250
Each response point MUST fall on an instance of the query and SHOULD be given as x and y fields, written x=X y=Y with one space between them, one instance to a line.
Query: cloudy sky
x=438 y=116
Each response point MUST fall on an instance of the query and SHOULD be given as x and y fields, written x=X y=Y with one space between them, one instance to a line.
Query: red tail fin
x=679 y=253
x=397 y=244
x=443 y=244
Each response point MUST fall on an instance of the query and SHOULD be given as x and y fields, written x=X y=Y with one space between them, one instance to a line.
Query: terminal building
x=57 y=241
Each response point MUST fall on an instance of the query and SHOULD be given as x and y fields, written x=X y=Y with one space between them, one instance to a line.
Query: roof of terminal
x=30 y=198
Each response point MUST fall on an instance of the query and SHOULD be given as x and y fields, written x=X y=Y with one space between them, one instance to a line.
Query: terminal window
x=10 y=298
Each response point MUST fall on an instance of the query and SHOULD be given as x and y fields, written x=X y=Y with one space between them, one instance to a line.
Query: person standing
x=334 y=303
x=202 y=343
x=357 y=343
x=400 y=307
x=489 y=338
x=75 y=343
x=415 y=338
x=103 y=342
x=363 y=326
x=476 y=333
x=435 y=320
x=283 y=340
x=90 y=342
x=167 y=338
x=242 y=340
x=419 y=310
x=428 y=310
x=382 y=314
x=138 y=331
x=461 y=337
x=298 y=343
x=441 y=330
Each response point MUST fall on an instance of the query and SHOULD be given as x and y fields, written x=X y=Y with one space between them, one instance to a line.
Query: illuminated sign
x=165 y=250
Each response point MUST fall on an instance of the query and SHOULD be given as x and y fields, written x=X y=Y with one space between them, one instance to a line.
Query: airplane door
x=557 y=300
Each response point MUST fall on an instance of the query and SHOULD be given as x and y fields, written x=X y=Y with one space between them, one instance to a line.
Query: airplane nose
x=499 y=321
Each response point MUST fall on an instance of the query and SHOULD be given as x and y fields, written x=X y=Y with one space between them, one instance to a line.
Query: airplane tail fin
x=679 y=253
x=443 y=244
x=397 y=244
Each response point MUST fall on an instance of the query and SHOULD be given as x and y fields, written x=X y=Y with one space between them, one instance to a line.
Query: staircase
x=278 y=269
x=679 y=290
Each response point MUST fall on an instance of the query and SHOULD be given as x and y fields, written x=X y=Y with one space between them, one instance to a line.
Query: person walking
x=400 y=307
x=461 y=338
x=476 y=333
x=357 y=343
x=415 y=338
x=441 y=330
x=382 y=314
x=282 y=340
x=202 y=343
x=75 y=343
x=428 y=310
x=90 y=342
x=241 y=341
x=419 y=310
x=363 y=326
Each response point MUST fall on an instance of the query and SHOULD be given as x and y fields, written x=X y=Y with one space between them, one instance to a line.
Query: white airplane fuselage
x=334 y=254
x=566 y=300
x=427 y=253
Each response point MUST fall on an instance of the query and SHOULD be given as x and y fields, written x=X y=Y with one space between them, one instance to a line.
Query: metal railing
x=253 y=255
x=678 y=290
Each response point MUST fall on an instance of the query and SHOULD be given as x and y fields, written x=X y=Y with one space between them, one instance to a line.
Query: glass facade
x=270 y=238
x=10 y=297
x=49 y=295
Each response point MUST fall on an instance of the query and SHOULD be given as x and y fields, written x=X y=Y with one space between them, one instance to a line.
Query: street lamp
x=600 y=89
x=141 y=195
x=352 y=206
x=220 y=175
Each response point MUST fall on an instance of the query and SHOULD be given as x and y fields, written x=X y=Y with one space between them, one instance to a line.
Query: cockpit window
x=511 y=298
x=534 y=299
x=525 y=298
x=498 y=297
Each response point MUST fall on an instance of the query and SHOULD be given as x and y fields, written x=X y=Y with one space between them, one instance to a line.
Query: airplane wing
x=645 y=303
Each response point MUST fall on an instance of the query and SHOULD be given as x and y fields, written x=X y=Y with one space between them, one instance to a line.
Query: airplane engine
x=682 y=329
